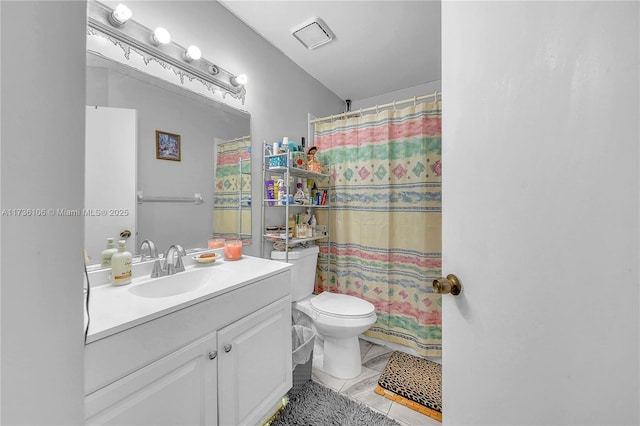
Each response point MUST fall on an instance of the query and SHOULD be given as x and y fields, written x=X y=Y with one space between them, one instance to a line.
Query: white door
x=110 y=178
x=540 y=212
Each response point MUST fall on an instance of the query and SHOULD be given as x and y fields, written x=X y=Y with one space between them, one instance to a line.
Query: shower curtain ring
x=415 y=98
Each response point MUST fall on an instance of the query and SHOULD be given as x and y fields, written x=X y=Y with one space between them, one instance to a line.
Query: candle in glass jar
x=216 y=243
x=233 y=249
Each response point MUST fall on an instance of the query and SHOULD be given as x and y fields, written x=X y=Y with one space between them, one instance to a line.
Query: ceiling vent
x=313 y=33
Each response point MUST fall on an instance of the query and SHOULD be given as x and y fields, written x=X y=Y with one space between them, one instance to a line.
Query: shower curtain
x=386 y=219
x=229 y=180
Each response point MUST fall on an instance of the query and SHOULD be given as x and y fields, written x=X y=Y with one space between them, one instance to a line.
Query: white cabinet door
x=178 y=389
x=254 y=364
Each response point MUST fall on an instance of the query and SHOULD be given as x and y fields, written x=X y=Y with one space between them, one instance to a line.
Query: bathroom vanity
x=219 y=354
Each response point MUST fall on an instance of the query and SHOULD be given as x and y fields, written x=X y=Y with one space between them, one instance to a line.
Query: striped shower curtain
x=386 y=219
x=228 y=219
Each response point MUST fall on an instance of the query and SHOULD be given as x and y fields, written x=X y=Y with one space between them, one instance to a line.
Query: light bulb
x=160 y=36
x=239 y=80
x=120 y=15
x=192 y=53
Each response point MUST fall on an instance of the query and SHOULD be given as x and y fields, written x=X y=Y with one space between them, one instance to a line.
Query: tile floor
x=374 y=360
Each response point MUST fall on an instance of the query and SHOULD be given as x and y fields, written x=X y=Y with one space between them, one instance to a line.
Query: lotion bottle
x=121 y=265
x=107 y=253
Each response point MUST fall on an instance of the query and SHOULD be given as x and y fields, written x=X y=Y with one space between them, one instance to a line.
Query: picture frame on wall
x=167 y=146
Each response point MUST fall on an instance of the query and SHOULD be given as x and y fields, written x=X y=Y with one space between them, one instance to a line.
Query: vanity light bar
x=132 y=35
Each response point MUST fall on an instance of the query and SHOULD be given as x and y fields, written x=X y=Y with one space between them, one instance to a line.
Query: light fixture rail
x=132 y=35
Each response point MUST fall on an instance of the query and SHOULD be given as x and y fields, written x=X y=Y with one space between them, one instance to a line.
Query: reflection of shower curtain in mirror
x=232 y=212
x=386 y=219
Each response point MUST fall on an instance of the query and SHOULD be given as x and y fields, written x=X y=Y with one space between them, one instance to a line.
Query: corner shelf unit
x=289 y=174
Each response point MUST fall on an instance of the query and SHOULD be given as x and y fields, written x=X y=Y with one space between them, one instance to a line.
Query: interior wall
x=42 y=166
x=279 y=93
x=197 y=123
x=539 y=97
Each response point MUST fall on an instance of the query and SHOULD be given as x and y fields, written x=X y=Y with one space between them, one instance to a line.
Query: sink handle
x=157 y=269
x=179 y=264
x=171 y=269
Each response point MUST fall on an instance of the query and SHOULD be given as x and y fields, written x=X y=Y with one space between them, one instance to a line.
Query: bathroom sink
x=173 y=285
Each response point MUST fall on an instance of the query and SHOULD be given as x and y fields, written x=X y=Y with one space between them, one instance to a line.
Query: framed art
x=167 y=146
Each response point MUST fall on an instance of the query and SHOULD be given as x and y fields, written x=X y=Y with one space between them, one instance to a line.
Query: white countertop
x=114 y=309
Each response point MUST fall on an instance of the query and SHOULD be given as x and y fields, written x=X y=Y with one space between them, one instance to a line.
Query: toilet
x=338 y=318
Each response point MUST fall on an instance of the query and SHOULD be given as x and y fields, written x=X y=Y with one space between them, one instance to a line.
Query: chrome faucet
x=153 y=251
x=169 y=268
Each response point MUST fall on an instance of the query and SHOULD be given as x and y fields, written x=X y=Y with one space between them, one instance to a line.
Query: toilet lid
x=341 y=305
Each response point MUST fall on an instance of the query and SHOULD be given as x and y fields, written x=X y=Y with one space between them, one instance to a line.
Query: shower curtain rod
x=241 y=138
x=377 y=107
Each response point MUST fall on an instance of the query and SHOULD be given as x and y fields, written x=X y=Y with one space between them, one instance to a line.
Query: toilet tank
x=304 y=269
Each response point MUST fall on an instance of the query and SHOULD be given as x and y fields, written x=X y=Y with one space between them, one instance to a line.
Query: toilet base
x=342 y=357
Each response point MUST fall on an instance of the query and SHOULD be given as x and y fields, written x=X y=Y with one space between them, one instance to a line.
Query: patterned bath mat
x=314 y=404
x=413 y=382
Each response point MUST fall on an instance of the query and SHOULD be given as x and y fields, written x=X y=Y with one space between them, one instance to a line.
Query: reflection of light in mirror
x=239 y=80
x=120 y=15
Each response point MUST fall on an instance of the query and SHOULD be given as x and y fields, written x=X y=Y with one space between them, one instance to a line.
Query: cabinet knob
x=227 y=348
x=213 y=355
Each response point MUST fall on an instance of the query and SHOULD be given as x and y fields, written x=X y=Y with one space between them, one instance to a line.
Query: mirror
x=167 y=207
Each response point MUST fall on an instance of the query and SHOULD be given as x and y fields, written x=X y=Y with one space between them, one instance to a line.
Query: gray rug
x=314 y=404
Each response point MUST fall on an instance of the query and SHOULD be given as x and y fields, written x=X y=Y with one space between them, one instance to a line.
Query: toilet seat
x=341 y=305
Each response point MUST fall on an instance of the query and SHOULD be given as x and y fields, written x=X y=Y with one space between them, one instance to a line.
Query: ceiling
x=379 y=46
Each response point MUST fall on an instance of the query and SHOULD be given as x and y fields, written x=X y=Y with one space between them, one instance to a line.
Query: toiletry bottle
x=299 y=197
x=276 y=186
x=313 y=223
x=305 y=217
x=107 y=253
x=121 y=265
x=292 y=224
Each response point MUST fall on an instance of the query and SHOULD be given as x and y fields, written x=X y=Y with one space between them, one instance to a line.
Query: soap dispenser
x=107 y=253
x=121 y=265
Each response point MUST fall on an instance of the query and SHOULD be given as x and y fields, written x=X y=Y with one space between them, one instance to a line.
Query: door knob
x=451 y=284
x=213 y=355
x=227 y=348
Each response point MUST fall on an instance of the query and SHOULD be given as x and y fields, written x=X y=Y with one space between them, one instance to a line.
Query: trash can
x=302 y=341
